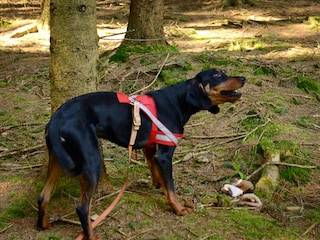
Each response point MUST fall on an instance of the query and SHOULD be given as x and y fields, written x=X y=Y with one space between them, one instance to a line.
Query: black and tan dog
x=73 y=131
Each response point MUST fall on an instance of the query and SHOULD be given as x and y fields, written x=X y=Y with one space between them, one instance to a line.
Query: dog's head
x=213 y=88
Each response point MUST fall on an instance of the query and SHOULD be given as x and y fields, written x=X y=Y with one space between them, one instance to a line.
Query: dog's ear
x=197 y=97
x=214 y=109
x=206 y=75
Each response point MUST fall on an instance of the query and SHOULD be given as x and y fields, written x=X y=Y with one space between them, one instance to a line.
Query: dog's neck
x=173 y=102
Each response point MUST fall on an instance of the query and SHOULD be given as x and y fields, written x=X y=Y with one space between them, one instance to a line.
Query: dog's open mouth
x=231 y=93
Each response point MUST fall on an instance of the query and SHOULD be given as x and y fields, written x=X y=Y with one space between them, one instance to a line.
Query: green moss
x=291 y=174
x=203 y=58
x=308 y=84
x=314 y=21
x=304 y=122
x=295 y=174
x=312 y=215
x=172 y=76
x=269 y=146
x=6 y=23
x=18 y=208
x=264 y=186
x=263 y=70
x=251 y=121
x=124 y=52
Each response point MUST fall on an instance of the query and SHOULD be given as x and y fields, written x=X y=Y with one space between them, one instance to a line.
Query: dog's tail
x=64 y=153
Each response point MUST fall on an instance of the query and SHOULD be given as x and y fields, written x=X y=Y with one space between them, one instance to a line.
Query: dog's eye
x=217 y=75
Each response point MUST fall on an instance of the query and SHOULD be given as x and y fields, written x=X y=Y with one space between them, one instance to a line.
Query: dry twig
x=278 y=163
x=256 y=128
x=310 y=228
x=6 y=228
x=20 y=151
x=155 y=78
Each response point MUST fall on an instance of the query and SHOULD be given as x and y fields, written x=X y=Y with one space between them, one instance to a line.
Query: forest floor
x=274 y=44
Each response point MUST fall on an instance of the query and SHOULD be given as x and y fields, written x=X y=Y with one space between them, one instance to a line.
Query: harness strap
x=136 y=122
x=159 y=124
x=168 y=134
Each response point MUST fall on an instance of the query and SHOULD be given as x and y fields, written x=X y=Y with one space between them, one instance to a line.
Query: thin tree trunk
x=43 y=21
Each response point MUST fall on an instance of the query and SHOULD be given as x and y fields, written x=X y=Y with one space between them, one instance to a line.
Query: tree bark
x=43 y=21
x=145 y=26
x=74 y=49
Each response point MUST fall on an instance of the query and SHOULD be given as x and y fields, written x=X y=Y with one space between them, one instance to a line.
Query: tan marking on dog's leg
x=149 y=154
x=54 y=172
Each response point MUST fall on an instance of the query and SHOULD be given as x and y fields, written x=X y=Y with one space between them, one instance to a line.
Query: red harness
x=156 y=135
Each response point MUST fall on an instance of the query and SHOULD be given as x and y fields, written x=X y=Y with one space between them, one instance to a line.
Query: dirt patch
x=272 y=43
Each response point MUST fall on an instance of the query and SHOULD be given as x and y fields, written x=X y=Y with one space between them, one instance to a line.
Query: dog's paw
x=45 y=225
x=184 y=211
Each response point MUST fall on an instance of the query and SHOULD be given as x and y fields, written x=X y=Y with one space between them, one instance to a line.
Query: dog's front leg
x=162 y=171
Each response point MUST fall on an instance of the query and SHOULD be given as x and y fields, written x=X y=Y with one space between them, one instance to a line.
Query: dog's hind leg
x=89 y=179
x=54 y=172
x=88 y=188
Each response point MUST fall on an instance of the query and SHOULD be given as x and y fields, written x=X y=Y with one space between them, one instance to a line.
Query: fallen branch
x=6 y=168
x=140 y=233
x=69 y=221
x=6 y=228
x=211 y=206
x=219 y=136
x=190 y=155
x=6 y=128
x=310 y=228
x=20 y=151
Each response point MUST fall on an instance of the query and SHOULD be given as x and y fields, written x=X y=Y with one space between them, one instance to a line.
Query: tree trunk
x=74 y=52
x=74 y=49
x=145 y=25
x=43 y=21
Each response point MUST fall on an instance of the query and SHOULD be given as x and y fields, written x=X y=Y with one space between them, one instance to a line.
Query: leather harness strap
x=136 y=123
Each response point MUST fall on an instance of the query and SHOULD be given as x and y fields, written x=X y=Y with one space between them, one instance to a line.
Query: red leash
x=108 y=210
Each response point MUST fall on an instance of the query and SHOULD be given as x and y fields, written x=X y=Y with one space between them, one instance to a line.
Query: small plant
x=237 y=167
x=303 y=122
x=172 y=76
